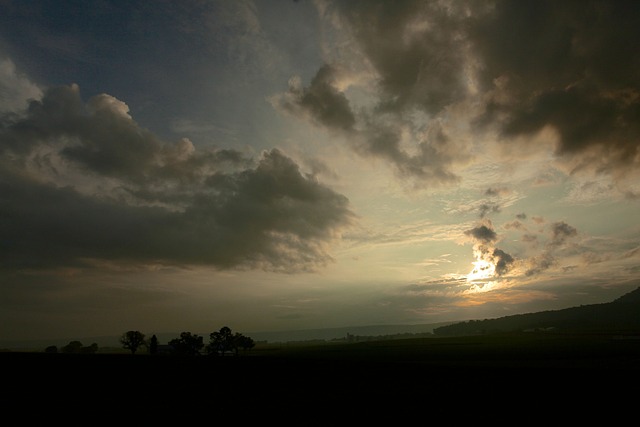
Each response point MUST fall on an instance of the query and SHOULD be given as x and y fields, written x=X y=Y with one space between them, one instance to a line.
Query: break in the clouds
x=507 y=68
x=82 y=182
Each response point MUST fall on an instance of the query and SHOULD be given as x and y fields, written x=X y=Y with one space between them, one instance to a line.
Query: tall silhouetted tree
x=132 y=340
x=187 y=345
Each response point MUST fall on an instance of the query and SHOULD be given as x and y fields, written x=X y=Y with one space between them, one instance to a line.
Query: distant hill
x=621 y=316
x=327 y=334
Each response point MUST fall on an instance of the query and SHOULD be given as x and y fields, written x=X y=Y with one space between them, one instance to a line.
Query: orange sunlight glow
x=482 y=269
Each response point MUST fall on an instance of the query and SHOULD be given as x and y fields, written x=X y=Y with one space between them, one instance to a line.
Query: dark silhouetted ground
x=458 y=376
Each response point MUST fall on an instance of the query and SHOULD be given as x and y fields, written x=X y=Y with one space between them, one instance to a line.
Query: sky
x=284 y=165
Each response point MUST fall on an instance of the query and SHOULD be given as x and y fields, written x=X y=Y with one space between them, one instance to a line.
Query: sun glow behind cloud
x=482 y=270
x=484 y=276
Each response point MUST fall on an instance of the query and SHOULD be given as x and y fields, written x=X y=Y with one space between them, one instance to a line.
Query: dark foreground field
x=585 y=374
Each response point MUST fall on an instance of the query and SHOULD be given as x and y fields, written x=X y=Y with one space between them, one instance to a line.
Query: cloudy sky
x=273 y=165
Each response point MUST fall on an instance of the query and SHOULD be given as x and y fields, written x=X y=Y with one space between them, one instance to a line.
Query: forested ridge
x=621 y=316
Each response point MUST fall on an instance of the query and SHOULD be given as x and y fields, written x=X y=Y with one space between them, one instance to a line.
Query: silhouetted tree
x=72 y=347
x=93 y=348
x=224 y=340
x=221 y=341
x=51 y=349
x=245 y=343
x=153 y=345
x=187 y=344
x=132 y=340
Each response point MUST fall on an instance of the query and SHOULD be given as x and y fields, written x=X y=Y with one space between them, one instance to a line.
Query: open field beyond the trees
x=510 y=367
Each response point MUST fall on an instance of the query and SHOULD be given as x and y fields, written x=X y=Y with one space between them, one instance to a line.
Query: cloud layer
x=511 y=69
x=84 y=183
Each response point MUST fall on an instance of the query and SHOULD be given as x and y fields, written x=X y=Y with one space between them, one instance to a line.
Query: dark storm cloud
x=525 y=66
x=416 y=48
x=573 y=66
x=82 y=181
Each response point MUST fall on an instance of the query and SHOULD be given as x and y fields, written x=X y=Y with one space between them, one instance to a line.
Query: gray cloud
x=570 y=66
x=430 y=164
x=502 y=260
x=487 y=208
x=495 y=191
x=320 y=101
x=515 y=224
x=573 y=66
x=560 y=232
x=82 y=182
x=373 y=133
x=417 y=53
x=482 y=234
x=540 y=263
x=417 y=49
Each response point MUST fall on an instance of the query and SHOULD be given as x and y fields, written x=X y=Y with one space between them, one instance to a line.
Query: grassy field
x=497 y=351
x=523 y=350
x=512 y=369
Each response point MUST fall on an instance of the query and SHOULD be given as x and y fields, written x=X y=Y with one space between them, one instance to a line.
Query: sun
x=482 y=269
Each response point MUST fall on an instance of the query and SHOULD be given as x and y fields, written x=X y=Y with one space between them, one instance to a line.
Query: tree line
x=619 y=316
x=221 y=342
x=74 y=347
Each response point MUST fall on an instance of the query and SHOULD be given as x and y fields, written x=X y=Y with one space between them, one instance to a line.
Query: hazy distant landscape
x=259 y=336
x=619 y=318
x=589 y=353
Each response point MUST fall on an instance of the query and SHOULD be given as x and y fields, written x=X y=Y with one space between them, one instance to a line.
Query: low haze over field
x=276 y=165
